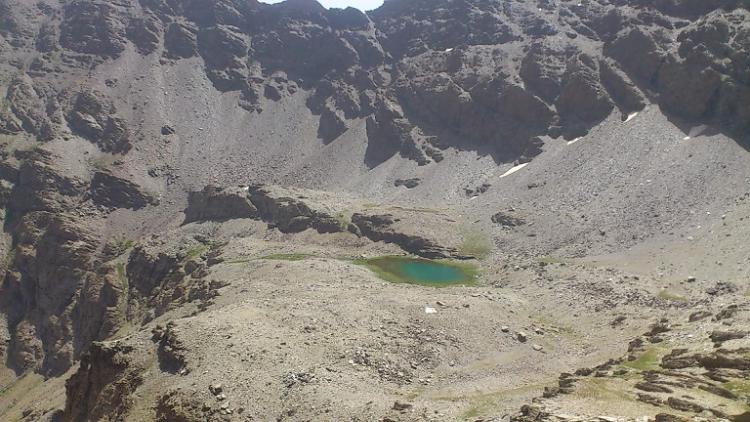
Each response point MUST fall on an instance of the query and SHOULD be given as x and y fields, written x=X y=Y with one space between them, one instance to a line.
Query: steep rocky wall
x=475 y=75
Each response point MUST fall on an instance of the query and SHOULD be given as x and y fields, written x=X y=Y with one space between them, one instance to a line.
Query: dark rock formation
x=408 y=183
x=291 y=215
x=28 y=108
x=219 y=204
x=639 y=54
x=224 y=49
x=103 y=385
x=181 y=41
x=721 y=358
x=160 y=280
x=144 y=33
x=582 y=101
x=153 y=277
x=112 y=191
x=93 y=28
x=379 y=228
x=94 y=118
x=182 y=406
x=332 y=125
x=41 y=186
x=506 y=220
x=170 y=351
x=422 y=72
x=56 y=299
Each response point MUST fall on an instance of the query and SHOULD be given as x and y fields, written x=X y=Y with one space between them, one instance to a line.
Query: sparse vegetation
x=344 y=220
x=196 y=251
x=739 y=387
x=272 y=257
x=667 y=295
x=102 y=162
x=476 y=243
x=550 y=260
x=287 y=257
x=647 y=361
x=117 y=246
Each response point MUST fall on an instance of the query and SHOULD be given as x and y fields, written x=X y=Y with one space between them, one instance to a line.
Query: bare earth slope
x=188 y=188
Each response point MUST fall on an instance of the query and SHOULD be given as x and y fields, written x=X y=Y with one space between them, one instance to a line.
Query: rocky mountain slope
x=160 y=156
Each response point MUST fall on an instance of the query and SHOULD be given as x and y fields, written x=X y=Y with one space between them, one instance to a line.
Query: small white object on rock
x=430 y=310
x=537 y=347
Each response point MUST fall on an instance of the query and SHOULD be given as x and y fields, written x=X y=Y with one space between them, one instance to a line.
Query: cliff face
x=479 y=75
x=414 y=77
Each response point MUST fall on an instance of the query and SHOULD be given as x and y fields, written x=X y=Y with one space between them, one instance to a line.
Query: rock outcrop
x=112 y=191
x=181 y=406
x=28 y=108
x=219 y=204
x=58 y=300
x=102 y=387
x=379 y=228
x=94 y=118
x=462 y=83
x=42 y=186
x=291 y=215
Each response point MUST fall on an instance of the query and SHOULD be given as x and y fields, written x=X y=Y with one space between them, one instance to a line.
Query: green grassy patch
x=343 y=220
x=121 y=275
x=476 y=243
x=605 y=389
x=196 y=251
x=667 y=295
x=118 y=246
x=649 y=360
x=287 y=257
x=369 y=205
x=102 y=162
x=739 y=387
x=272 y=257
x=550 y=260
x=483 y=404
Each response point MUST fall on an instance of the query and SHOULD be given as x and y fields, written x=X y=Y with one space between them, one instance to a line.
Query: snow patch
x=514 y=169
x=631 y=116
x=575 y=140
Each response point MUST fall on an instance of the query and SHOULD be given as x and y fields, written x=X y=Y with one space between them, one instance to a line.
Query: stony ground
x=186 y=185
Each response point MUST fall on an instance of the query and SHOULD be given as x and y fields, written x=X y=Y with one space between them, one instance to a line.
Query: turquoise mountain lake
x=425 y=272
